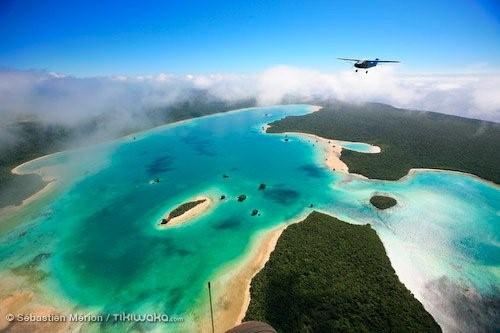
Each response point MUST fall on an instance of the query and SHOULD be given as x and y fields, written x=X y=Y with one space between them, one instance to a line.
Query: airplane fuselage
x=365 y=64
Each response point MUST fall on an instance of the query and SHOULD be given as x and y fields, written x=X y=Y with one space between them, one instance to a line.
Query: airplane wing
x=348 y=59
x=394 y=61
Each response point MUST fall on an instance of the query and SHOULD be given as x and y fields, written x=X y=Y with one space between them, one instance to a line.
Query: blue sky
x=88 y=38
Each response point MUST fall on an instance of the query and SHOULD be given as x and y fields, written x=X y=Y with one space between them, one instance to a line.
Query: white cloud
x=468 y=95
x=58 y=98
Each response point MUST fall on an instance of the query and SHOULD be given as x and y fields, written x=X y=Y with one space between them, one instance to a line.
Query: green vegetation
x=181 y=209
x=326 y=275
x=30 y=139
x=383 y=202
x=408 y=139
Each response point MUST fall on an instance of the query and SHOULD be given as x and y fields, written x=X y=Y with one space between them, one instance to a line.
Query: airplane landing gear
x=366 y=72
x=356 y=70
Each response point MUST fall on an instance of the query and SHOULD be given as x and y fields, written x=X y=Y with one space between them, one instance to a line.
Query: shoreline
x=238 y=277
x=316 y=108
x=190 y=214
x=131 y=136
x=331 y=151
x=413 y=171
x=231 y=289
x=331 y=154
x=232 y=302
x=49 y=185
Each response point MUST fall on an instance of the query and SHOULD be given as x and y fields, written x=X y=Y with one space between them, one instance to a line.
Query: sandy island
x=206 y=203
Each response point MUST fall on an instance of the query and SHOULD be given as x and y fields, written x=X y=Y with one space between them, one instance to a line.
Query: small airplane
x=365 y=64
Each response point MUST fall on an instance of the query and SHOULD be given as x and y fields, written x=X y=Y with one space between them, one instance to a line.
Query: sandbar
x=330 y=149
x=205 y=204
x=47 y=178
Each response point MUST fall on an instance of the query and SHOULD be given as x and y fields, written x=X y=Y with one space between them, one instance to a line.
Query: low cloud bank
x=467 y=95
x=55 y=98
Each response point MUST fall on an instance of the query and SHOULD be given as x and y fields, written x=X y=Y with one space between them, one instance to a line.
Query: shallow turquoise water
x=107 y=253
x=357 y=146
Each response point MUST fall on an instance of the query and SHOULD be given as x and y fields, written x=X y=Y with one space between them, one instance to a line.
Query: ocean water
x=99 y=239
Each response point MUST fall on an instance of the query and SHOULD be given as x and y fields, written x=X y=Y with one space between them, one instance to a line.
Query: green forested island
x=181 y=209
x=326 y=275
x=383 y=202
x=408 y=139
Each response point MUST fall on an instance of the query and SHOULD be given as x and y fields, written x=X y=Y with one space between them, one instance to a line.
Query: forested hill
x=326 y=275
x=408 y=139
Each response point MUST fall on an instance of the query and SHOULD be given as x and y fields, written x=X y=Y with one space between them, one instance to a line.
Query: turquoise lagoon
x=97 y=231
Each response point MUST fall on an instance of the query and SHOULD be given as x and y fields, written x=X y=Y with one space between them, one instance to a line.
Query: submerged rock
x=242 y=197
x=262 y=186
x=255 y=212
x=222 y=197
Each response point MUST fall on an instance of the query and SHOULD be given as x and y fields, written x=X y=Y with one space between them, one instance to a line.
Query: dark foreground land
x=383 y=202
x=326 y=275
x=408 y=139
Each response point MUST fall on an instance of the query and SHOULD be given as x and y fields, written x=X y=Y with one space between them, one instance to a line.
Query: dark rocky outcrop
x=383 y=202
